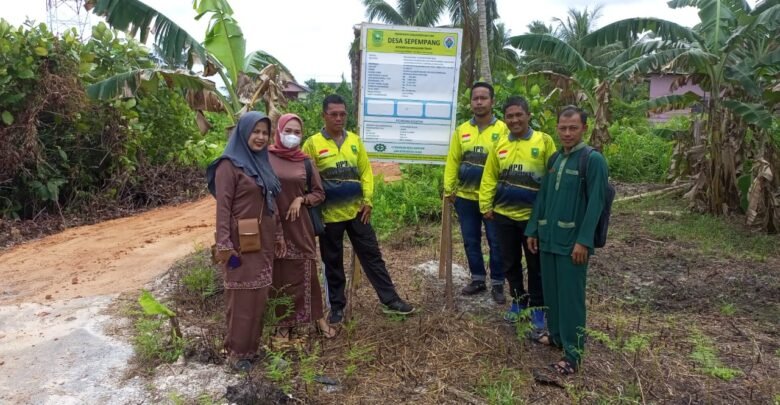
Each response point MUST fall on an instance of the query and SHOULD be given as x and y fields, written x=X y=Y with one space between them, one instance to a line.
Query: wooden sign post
x=445 y=252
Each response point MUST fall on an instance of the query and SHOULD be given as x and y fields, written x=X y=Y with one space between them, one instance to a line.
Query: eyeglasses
x=338 y=114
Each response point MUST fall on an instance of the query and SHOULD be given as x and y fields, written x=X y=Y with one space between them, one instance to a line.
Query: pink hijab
x=295 y=154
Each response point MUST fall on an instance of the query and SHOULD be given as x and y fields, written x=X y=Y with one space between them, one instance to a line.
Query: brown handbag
x=249 y=234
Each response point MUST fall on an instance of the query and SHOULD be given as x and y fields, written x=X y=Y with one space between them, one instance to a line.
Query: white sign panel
x=409 y=92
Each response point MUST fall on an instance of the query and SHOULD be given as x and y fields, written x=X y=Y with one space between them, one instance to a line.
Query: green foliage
x=542 y=100
x=502 y=389
x=164 y=123
x=271 y=318
x=728 y=309
x=68 y=151
x=414 y=200
x=704 y=354
x=704 y=231
x=154 y=344
x=201 y=151
x=636 y=154
x=623 y=342
x=358 y=355
x=201 y=281
x=523 y=325
x=309 y=368
x=279 y=371
x=151 y=306
x=310 y=108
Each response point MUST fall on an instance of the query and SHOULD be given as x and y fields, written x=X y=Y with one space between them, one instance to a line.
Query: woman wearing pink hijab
x=295 y=273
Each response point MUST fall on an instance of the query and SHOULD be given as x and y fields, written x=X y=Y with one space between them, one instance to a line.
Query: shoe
x=514 y=312
x=537 y=318
x=498 y=294
x=243 y=365
x=398 y=307
x=336 y=316
x=475 y=287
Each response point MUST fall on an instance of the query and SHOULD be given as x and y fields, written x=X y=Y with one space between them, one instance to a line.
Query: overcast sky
x=312 y=37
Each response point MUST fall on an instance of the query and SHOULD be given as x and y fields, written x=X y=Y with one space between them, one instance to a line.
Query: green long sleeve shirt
x=562 y=215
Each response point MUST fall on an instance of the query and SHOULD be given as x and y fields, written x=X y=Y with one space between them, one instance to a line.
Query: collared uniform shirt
x=513 y=174
x=346 y=174
x=562 y=215
x=467 y=156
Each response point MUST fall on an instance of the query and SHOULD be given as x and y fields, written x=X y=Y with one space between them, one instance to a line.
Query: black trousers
x=512 y=244
x=366 y=247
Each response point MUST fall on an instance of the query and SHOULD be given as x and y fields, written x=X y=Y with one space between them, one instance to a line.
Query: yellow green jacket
x=513 y=174
x=467 y=155
x=346 y=174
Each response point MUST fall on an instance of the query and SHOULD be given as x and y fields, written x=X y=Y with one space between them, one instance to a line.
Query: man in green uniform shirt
x=562 y=227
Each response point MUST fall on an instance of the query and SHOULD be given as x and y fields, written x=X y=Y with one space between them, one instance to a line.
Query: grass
x=154 y=343
x=711 y=235
x=358 y=355
x=705 y=356
x=503 y=389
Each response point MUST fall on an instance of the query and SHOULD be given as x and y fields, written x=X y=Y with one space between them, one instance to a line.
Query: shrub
x=636 y=154
x=416 y=199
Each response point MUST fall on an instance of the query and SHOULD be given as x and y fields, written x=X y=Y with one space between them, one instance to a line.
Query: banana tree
x=223 y=53
x=732 y=54
x=589 y=82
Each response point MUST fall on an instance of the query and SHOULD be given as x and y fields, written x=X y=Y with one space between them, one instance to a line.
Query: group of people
x=533 y=202
x=531 y=198
x=265 y=190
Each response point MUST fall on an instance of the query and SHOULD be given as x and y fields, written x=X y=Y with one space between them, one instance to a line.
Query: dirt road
x=105 y=258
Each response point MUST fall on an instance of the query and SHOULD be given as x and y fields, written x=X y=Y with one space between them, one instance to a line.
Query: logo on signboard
x=449 y=42
x=535 y=152
x=377 y=37
x=380 y=147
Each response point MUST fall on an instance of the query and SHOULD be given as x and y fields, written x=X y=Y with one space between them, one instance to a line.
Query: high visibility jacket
x=467 y=155
x=346 y=174
x=513 y=174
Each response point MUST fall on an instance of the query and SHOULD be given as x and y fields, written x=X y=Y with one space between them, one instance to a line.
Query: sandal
x=327 y=331
x=283 y=334
x=564 y=367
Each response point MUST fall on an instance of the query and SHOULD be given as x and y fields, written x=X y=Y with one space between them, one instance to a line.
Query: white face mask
x=290 y=140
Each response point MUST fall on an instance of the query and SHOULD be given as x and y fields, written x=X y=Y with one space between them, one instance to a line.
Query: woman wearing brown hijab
x=295 y=273
x=246 y=188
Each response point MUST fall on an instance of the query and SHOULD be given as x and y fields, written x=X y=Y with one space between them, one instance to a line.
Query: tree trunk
x=484 y=53
x=354 y=60
x=469 y=46
x=600 y=135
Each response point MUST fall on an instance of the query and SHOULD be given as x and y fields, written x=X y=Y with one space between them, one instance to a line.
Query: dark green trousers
x=563 y=283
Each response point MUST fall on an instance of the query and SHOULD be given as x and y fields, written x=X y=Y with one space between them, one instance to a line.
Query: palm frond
x=646 y=64
x=753 y=114
x=129 y=84
x=672 y=102
x=629 y=30
x=380 y=10
x=258 y=60
x=552 y=47
x=136 y=18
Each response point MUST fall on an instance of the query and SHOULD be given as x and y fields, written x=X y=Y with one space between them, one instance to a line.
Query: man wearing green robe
x=562 y=228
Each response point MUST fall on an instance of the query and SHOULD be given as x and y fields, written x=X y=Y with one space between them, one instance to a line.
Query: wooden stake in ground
x=445 y=251
x=354 y=283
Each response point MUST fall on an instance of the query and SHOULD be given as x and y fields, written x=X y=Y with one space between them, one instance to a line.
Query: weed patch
x=705 y=356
